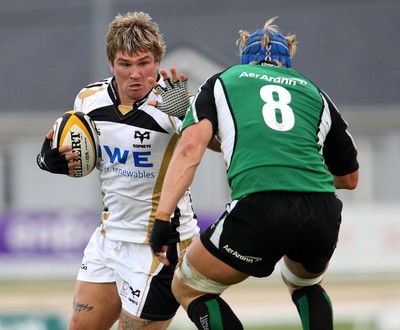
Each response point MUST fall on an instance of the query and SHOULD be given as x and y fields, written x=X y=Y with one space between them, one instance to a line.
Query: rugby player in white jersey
x=120 y=278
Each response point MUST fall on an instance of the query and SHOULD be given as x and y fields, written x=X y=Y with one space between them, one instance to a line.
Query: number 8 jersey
x=287 y=133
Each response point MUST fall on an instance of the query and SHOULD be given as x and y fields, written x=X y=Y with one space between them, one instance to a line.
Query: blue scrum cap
x=277 y=49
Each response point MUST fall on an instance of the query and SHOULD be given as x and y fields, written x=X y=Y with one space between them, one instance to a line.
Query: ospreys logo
x=132 y=296
x=135 y=295
x=142 y=136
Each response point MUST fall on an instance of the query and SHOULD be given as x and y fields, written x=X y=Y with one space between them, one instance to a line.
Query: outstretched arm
x=179 y=176
x=183 y=165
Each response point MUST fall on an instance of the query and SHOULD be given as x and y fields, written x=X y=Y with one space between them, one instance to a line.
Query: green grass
x=341 y=326
x=292 y=327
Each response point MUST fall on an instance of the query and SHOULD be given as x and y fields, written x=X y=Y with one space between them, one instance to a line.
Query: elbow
x=351 y=186
x=349 y=181
x=353 y=180
x=188 y=148
x=190 y=152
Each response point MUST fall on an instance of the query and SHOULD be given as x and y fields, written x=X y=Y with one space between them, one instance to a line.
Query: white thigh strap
x=292 y=278
x=191 y=277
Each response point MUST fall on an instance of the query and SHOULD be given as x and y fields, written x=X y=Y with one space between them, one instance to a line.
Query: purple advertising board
x=49 y=244
x=44 y=243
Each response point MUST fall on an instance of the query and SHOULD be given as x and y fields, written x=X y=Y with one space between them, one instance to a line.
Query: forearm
x=178 y=179
x=182 y=167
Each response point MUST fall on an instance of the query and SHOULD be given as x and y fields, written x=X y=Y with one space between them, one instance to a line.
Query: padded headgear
x=277 y=49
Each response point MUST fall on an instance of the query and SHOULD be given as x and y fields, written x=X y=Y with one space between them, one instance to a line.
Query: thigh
x=96 y=306
x=316 y=239
x=94 y=268
x=204 y=273
x=245 y=236
x=256 y=231
x=144 y=284
x=210 y=266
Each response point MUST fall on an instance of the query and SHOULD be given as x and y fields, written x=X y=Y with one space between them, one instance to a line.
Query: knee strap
x=292 y=278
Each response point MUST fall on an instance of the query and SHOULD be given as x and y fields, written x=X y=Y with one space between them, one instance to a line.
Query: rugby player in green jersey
x=287 y=149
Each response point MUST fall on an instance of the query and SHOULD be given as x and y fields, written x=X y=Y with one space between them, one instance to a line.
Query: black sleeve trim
x=339 y=150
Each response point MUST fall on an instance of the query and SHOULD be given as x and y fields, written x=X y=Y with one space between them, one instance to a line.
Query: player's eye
x=124 y=64
x=143 y=63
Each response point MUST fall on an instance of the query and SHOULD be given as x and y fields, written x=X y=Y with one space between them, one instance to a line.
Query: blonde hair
x=132 y=33
x=290 y=38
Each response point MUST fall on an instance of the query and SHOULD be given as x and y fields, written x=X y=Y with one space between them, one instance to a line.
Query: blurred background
x=50 y=49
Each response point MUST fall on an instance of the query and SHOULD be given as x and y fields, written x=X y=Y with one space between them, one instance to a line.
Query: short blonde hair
x=132 y=33
x=290 y=38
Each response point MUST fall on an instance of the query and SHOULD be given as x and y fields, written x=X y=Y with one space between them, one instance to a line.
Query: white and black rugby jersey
x=135 y=150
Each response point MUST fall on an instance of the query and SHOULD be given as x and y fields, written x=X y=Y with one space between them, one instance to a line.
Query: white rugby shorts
x=143 y=283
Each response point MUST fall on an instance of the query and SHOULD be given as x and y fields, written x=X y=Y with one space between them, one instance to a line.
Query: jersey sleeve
x=203 y=106
x=340 y=152
x=77 y=104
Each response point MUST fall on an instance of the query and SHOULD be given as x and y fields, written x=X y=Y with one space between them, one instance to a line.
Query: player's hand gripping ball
x=78 y=130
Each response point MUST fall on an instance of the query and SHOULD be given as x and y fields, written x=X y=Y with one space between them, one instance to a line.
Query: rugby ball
x=78 y=130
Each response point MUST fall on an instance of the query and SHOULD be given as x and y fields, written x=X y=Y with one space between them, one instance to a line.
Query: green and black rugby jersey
x=278 y=131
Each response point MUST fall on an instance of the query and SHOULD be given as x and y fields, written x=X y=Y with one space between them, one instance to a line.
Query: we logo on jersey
x=137 y=162
x=117 y=155
x=133 y=163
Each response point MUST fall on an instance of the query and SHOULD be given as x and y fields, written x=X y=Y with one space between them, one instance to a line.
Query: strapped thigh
x=191 y=277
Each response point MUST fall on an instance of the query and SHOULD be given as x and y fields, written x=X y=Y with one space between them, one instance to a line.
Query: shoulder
x=94 y=88
x=93 y=95
x=168 y=123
